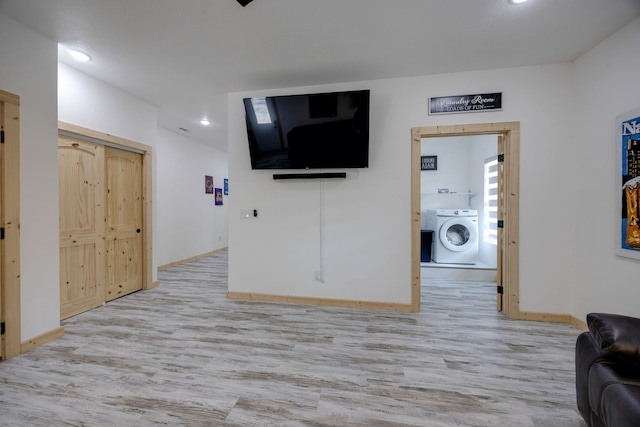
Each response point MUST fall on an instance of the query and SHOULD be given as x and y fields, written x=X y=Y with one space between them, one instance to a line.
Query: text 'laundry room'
x=458 y=207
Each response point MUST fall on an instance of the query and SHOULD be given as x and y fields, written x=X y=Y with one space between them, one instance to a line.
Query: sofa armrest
x=587 y=354
x=617 y=336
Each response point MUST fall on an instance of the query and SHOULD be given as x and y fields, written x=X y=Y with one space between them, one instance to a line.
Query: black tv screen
x=313 y=131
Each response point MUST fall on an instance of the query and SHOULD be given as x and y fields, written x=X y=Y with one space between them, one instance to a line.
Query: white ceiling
x=184 y=56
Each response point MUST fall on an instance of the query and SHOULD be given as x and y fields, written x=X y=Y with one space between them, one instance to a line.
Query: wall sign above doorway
x=465 y=103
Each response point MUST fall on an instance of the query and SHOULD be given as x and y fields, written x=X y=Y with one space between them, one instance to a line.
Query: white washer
x=455 y=235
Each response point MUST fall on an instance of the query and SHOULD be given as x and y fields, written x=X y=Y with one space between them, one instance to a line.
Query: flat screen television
x=312 y=131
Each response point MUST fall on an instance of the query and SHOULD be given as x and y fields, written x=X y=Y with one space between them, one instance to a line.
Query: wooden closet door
x=124 y=222
x=80 y=171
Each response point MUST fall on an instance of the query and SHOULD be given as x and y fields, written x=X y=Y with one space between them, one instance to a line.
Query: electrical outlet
x=318 y=276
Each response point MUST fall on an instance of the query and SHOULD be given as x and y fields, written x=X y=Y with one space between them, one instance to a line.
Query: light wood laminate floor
x=182 y=354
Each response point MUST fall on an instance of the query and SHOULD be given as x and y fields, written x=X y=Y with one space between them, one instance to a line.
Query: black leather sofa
x=608 y=371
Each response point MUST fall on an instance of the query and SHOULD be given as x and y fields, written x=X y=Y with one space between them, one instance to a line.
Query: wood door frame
x=511 y=256
x=147 y=185
x=10 y=221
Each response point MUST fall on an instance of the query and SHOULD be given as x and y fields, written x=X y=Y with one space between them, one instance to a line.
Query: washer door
x=458 y=234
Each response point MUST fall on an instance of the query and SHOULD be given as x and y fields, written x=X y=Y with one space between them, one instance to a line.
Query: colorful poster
x=218 y=196
x=628 y=136
x=226 y=186
x=208 y=184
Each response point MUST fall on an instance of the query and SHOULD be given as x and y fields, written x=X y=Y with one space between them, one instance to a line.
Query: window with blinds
x=490 y=234
x=261 y=110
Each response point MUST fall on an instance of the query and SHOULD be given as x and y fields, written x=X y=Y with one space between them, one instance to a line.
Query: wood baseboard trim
x=190 y=259
x=544 y=317
x=42 y=339
x=154 y=285
x=288 y=299
x=552 y=317
x=579 y=323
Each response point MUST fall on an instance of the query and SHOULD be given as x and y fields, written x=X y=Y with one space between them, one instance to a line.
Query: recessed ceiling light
x=205 y=122
x=79 y=56
x=517 y=1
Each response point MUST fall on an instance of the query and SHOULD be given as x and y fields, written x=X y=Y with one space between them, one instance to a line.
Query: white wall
x=606 y=85
x=453 y=173
x=460 y=170
x=188 y=222
x=367 y=226
x=28 y=69
x=93 y=104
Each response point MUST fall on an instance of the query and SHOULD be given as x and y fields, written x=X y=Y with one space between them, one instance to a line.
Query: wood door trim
x=147 y=184
x=10 y=218
x=511 y=259
x=102 y=138
x=9 y=98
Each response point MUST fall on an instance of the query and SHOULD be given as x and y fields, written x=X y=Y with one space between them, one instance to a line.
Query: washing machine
x=455 y=235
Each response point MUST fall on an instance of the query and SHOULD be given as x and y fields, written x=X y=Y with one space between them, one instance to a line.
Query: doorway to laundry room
x=458 y=207
x=465 y=198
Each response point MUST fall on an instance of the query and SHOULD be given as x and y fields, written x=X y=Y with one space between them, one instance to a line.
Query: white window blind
x=490 y=234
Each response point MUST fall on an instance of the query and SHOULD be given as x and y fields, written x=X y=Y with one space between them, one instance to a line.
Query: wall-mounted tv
x=312 y=131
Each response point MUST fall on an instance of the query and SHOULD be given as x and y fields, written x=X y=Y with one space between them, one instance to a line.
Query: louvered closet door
x=124 y=222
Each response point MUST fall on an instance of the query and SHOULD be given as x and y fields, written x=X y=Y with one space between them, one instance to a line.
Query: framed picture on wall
x=628 y=184
x=218 y=196
x=208 y=184
x=428 y=163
